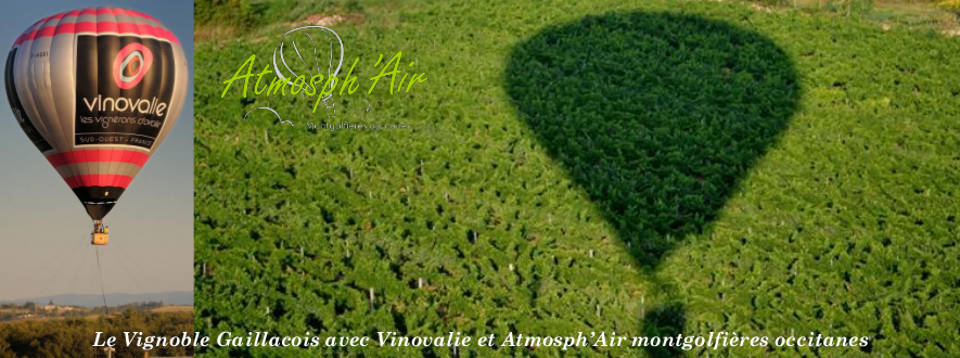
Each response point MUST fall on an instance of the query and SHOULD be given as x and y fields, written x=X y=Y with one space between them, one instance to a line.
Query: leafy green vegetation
x=645 y=168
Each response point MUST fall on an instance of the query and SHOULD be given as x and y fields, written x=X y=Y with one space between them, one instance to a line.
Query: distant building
x=56 y=309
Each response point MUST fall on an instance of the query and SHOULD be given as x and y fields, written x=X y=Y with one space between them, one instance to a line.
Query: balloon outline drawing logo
x=133 y=53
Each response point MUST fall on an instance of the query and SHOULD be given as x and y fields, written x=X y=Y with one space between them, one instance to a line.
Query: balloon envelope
x=96 y=91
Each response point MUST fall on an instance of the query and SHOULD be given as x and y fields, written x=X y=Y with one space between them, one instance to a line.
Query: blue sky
x=45 y=232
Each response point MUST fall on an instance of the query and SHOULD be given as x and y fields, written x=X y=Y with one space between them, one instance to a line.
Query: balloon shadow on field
x=656 y=117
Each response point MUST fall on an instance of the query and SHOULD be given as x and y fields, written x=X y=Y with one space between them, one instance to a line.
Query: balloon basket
x=100 y=235
x=100 y=239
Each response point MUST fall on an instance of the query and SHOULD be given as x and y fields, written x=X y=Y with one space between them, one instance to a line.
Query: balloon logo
x=96 y=91
x=134 y=54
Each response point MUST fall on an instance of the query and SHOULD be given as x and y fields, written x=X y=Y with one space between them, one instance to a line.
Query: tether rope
x=100 y=274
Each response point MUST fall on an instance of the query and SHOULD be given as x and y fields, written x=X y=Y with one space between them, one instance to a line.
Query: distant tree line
x=74 y=337
x=31 y=310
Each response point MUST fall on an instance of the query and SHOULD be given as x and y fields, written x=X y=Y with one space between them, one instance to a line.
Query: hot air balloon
x=96 y=91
